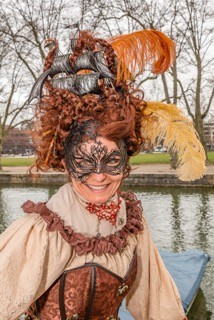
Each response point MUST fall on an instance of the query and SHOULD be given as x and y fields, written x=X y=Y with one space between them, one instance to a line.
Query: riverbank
x=141 y=175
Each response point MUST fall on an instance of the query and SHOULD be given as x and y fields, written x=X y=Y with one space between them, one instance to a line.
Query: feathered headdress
x=137 y=50
x=95 y=67
x=160 y=122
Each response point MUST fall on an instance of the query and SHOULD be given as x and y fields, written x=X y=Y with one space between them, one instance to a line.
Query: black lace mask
x=83 y=160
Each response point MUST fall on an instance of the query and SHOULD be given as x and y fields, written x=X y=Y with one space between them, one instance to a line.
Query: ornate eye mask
x=83 y=161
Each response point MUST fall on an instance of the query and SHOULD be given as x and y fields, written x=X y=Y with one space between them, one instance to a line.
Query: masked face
x=96 y=168
x=97 y=157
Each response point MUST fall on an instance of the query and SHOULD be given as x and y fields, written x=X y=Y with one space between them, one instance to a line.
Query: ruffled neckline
x=111 y=244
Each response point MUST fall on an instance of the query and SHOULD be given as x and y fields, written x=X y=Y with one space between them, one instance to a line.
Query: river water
x=179 y=219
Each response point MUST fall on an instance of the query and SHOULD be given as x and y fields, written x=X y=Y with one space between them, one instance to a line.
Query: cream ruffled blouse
x=32 y=258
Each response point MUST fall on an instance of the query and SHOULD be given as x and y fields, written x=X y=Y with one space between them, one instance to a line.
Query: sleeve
x=154 y=295
x=30 y=261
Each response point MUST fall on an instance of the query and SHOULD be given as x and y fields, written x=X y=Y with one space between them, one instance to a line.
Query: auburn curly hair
x=117 y=109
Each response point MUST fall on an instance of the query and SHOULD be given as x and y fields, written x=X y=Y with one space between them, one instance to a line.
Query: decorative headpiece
x=95 y=81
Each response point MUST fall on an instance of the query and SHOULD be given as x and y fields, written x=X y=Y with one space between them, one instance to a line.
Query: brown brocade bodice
x=90 y=292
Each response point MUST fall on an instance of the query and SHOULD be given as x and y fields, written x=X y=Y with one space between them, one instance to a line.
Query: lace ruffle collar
x=97 y=245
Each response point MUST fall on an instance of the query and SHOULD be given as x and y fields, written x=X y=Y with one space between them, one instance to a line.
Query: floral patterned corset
x=90 y=292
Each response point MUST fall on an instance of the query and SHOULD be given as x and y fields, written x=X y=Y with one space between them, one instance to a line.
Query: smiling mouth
x=97 y=188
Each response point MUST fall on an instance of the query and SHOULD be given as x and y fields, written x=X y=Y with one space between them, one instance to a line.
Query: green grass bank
x=143 y=158
x=152 y=158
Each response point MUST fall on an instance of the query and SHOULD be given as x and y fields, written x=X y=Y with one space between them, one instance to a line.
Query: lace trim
x=96 y=245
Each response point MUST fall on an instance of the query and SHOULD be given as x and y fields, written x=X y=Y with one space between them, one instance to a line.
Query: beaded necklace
x=105 y=211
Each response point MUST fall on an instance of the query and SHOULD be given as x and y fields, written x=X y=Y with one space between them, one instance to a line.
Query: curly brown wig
x=117 y=109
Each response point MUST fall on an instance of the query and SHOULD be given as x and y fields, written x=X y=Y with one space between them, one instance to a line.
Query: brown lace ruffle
x=96 y=245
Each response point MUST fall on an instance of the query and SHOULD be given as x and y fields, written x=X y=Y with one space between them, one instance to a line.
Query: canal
x=179 y=219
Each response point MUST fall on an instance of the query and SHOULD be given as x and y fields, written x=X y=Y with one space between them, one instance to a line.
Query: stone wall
x=167 y=180
x=134 y=179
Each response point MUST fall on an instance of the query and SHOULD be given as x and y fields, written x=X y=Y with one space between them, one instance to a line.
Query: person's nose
x=99 y=177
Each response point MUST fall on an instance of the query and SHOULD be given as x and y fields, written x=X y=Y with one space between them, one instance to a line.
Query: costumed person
x=79 y=255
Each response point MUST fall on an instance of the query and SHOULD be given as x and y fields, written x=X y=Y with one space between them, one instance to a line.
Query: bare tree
x=25 y=24
x=14 y=111
x=198 y=92
x=189 y=82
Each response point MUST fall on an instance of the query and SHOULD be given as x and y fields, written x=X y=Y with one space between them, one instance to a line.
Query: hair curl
x=117 y=109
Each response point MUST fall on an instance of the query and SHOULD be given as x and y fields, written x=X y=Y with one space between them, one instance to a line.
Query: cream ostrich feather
x=166 y=122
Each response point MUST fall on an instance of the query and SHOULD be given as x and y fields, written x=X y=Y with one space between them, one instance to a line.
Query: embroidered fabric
x=80 y=291
x=96 y=245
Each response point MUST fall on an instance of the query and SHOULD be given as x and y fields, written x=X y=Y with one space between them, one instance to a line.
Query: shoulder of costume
x=64 y=195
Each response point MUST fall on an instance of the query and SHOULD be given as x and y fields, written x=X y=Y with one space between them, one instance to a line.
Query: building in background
x=209 y=134
x=18 y=142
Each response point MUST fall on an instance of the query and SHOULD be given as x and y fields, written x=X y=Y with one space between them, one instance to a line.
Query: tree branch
x=209 y=104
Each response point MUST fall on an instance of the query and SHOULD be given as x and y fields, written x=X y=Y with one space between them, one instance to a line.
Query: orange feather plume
x=137 y=50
